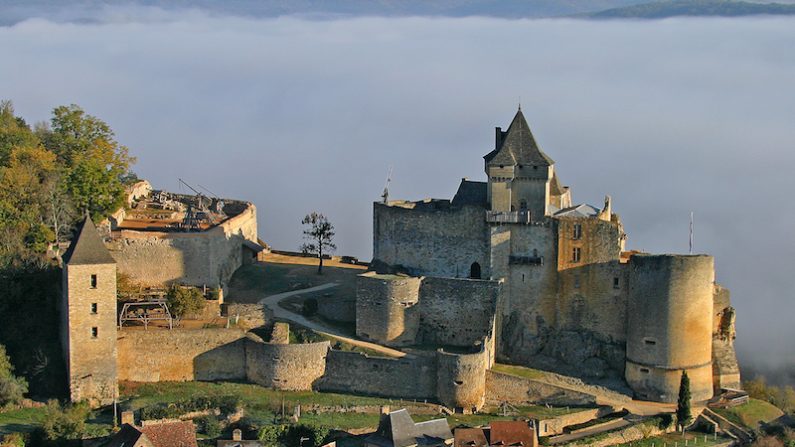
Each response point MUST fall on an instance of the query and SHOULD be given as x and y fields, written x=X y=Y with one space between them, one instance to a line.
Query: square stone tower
x=88 y=318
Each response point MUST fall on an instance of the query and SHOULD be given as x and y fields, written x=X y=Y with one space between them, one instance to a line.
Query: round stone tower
x=461 y=380
x=669 y=325
x=385 y=308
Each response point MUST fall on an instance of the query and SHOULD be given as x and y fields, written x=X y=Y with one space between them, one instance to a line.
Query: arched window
x=474 y=271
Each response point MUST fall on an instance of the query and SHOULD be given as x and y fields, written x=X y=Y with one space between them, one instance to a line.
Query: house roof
x=518 y=146
x=470 y=437
x=87 y=247
x=511 y=433
x=581 y=210
x=397 y=429
x=171 y=434
x=471 y=193
x=128 y=436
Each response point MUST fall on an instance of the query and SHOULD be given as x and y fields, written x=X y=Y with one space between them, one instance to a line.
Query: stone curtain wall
x=457 y=312
x=342 y=309
x=285 y=367
x=725 y=369
x=246 y=316
x=431 y=238
x=181 y=355
x=202 y=258
x=406 y=377
x=555 y=426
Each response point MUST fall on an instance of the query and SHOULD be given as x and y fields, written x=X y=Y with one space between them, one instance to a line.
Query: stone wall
x=670 y=325
x=431 y=237
x=407 y=377
x=725 y=369
x=522 y=391
x=457 y=312
x=181 y=355
x=89 y=336
x=203 y=258
x=636 y=432
x=246 y=316
x=294 y=367
x=554 y=426
x=337 y=308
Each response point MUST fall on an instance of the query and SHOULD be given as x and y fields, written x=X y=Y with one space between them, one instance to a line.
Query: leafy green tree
x=683 y=413
x=14 y=132
x=184 y=301
x=94 y=163
x=13 y=440
x=319 y=234
x=12 y=388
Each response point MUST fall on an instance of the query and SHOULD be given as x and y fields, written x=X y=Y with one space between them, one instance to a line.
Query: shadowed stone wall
x=294 y=367
x=457 y=312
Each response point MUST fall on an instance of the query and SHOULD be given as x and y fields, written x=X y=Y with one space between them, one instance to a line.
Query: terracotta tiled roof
x=470 y=437
x=172 y=434
x=512 y=433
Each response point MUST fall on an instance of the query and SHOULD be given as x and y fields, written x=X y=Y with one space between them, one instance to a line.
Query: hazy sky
x=293 y=115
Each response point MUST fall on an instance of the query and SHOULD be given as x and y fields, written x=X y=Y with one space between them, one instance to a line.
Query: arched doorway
x=474 y=271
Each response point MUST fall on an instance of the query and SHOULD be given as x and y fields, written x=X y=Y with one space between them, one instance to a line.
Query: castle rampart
x=208 y=257
x=431 y=238
x=670 y=325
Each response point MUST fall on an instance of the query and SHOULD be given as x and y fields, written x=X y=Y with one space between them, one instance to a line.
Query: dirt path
x=272 y=303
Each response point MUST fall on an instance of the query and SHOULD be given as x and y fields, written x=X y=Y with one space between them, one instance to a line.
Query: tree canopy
x=319 y=235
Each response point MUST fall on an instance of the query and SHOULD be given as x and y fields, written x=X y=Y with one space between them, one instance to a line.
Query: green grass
x=752 y=414
x=22 y=420
x=518 y=371
x=671 y=439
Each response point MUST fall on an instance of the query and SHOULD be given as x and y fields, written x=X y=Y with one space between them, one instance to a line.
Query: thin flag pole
x=691 y=232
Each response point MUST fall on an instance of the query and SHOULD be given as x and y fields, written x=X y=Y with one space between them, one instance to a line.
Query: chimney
x=237 y=434
x=127 y=417
x=498 y=140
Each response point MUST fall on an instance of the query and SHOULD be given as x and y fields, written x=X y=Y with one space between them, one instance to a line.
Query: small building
x=397 y=429
x=237 y=441
x=170 y=434
x=498 y=434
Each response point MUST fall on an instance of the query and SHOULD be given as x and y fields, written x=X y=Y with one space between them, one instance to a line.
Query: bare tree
x=319 y=235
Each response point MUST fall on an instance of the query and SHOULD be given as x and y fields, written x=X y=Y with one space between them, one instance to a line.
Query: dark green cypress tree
x=683 y=414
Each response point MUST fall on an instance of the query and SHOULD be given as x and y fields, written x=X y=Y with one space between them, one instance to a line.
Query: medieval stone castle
x=507 y=271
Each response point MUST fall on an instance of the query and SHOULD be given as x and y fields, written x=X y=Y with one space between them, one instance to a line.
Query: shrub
x=184 y=301
x=65 y=423
x=270 y=435
x=12 y=388
x=13 y=440
x=209 y=425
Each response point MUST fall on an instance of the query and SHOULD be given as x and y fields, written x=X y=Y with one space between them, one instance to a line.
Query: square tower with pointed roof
x=88 y=327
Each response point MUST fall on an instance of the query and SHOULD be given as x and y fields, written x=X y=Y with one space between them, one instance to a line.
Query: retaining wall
x=521 y=391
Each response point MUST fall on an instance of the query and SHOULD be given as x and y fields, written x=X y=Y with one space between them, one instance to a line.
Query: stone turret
x=519 y=172
x=88 y=326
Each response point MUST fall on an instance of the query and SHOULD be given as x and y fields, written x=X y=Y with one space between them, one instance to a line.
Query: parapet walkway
x=272 y=303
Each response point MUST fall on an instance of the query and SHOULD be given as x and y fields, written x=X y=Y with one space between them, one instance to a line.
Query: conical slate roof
x=87 y=247
x=518 y=146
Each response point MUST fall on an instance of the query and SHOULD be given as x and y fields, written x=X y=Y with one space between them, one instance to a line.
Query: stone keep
x=88 y=327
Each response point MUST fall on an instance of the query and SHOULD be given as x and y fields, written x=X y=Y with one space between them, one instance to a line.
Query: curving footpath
x=272 y=303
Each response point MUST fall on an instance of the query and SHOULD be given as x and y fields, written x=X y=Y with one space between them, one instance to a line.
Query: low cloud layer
x=668 y=117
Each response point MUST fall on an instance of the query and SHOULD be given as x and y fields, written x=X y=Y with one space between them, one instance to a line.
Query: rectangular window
x=93 y=281
x=94 y=332
x=616 y=284
x=575 y=254
x=577 y=233
x=94 y=308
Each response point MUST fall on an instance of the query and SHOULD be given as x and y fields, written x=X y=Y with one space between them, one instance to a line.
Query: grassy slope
x=752 y=413
x=518 y=371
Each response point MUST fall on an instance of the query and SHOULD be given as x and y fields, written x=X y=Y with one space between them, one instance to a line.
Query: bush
x=208 y=425
x=12 y=388
x=184 y=301
x=270 y=435
x=13 y=440
x=65 y=423
x=173 y=410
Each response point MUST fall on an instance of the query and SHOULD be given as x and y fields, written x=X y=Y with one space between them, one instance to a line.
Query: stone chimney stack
x=237 y=434
x=498 y=139
x=384 y=409
x=127 y=417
